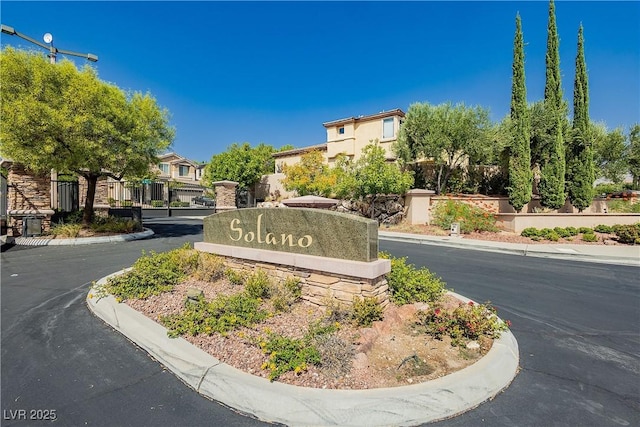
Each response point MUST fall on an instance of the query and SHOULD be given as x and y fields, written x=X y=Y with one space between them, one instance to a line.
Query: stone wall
x=27 y=195
x=319 y=288
x=384 y=208
x=421 y=204
x=102 y=192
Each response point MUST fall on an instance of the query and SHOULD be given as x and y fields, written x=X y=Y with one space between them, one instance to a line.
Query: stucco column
x=418 y=204
x=225 y=195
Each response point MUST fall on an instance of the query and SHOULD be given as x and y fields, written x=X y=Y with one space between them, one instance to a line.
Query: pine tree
x=580 y=164
x=552 y=161
x=520 y=175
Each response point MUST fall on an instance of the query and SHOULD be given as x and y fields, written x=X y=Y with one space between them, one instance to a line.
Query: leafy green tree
x=450 y=136
x=344 y=176
x=580 y=166
x=633 y=155
x=311 y=176
x=520 y=174
x=610 y=154
x=55 y=116
x=374 y=175
x=243 y=164
x=552 y=153
x=370 y=174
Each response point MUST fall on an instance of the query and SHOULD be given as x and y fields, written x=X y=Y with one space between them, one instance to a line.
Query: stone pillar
x=225 y=195
x=418 y=204
x=27 y=195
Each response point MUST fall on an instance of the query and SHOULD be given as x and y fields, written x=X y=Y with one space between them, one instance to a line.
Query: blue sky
x=273 y=72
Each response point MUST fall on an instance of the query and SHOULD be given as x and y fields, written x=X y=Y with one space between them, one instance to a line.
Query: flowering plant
x=465 y=323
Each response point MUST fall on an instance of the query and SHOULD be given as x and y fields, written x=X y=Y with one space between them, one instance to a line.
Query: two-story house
x=344 y=136
x=173 y=167
x=349 y=136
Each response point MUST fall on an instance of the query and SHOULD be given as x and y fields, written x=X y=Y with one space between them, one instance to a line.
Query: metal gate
x=68 y=196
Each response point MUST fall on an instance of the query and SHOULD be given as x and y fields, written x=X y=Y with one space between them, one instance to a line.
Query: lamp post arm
x=89 y=56
x=27 y=38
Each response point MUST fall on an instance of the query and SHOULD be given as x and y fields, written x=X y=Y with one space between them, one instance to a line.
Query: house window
x=387 y=128
x=164 y=168
x=341 y=130
x=183 y=170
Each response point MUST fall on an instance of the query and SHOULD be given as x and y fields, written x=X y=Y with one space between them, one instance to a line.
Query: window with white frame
x=387 y=128
x=183 y=170
x=164 y=168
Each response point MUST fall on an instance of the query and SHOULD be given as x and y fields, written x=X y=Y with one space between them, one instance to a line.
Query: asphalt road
x=577 y=325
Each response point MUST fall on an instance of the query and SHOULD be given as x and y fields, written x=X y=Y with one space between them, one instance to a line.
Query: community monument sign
x=303 y=231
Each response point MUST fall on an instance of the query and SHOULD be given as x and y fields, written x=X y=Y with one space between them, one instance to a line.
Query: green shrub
x=335 y=310
x=179 y=204
x=562 y=232
x=601 y=228
x=223 y=314
x=549 y=234
x=589 y=237
x=408 y=284
x=235 y=277
x=366 y=311
x=471 y=218
x=530 y=232
x=465 y=323
x=126 y=203
x=585 y=230
x=552 y=236
x=284 y=295
x=209 y=268
x=288 y=354
x=157 y=203
x=623 y=206
x=607 y=188
x=629 y=234
x=258 y=285
x=112 y=224
x=152 y=274
x=572 y=231
x=66 y=230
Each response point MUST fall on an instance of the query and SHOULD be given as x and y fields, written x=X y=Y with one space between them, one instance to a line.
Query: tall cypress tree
x=520 y=174
x=552 y=161
x=580 y=165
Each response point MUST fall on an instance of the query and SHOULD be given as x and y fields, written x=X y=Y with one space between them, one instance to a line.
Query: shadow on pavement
x=164 y=229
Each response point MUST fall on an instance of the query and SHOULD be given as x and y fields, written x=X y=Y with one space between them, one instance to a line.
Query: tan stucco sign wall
x=296 y=230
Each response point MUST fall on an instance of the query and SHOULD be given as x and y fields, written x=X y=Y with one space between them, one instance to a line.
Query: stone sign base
x=323 y=280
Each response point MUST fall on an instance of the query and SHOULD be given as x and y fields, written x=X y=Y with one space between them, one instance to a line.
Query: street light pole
x=48 y=38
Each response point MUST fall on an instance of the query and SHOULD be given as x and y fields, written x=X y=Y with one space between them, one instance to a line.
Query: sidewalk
x=615 y=254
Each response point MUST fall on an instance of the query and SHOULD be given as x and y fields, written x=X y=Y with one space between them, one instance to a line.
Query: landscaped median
x=424 y=401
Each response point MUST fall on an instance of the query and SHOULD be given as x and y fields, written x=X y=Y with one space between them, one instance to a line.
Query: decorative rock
x=421 y=306
x=473 y=345
x=360 y=361
x=194 y=294
x=368 y=337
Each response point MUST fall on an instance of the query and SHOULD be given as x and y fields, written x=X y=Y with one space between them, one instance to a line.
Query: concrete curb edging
x=438 y=399
x=37 y=241
x=611 y=255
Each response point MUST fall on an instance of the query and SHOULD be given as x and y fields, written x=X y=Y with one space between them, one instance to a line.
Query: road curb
x=434 y=400
x=38 y=241
x=538 y=251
